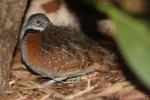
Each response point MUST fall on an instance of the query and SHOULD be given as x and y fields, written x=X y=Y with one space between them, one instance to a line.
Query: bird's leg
x=60 y=79
x=78 y=79
x=78 y=82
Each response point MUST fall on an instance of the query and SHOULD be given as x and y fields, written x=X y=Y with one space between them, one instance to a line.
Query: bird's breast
x=54 y=55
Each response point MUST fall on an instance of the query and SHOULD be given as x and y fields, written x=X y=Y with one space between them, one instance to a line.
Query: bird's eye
x=38 y=21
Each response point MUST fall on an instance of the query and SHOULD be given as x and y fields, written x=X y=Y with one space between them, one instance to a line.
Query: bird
x=60 y=52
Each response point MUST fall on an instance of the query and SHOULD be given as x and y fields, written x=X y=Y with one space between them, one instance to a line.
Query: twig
x=115 y=88
x=45 y=97
x=88 y=89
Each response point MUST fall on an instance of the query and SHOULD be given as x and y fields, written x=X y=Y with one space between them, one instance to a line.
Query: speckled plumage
x=58 y=51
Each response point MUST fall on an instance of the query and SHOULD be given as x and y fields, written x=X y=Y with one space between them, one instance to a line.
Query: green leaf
x=133 y=38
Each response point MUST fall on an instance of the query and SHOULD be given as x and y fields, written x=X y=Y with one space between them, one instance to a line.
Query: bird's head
x=36 y=22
